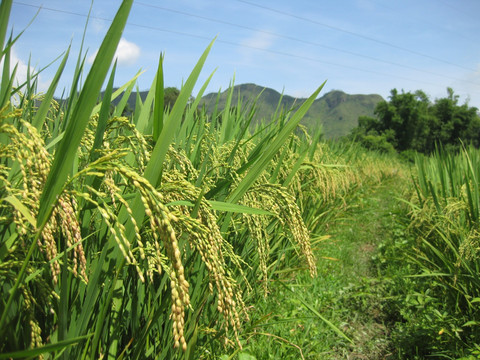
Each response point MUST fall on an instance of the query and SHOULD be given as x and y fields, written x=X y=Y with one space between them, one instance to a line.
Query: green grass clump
x=432 y=263
x=445 y=222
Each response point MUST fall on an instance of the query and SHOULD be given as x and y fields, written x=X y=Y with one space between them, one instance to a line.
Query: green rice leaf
x=272 y=148
x=123 y=101
x=5 y=8
x=223 y=206
x=58 y=346
x=154 y=168
x=317 y=314
x=268 y=153
x=17 y=204
x=121 y=105
x=67 y=148
x=6 y=83
x=144 y=110
x=46 y=102
x=159 y=99
x=103 y=116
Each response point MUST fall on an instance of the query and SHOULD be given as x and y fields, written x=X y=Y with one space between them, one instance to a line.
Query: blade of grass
x=47 y=100
x=269 y=152
x=226 y=122
x=17 y=204
x=5 y=9
x=144 y=110
x=121 y=105
x=7 y=80
x=123 y=102
x=103 y=116
x=154 y=168
x=44 y=349
x=223 y=206
x=159 y=101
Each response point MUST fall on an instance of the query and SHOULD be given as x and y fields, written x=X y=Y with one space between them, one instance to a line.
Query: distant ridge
x=336 y=111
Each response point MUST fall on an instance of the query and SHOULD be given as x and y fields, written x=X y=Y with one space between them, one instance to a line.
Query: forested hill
x=336 y=111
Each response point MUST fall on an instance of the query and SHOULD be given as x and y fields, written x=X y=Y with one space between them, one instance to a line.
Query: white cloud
x=22 y=71
x=248 y=51
x=259 y=40
x=127 y=53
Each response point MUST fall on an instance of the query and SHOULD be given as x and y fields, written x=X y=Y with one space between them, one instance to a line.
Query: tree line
x=411 y=122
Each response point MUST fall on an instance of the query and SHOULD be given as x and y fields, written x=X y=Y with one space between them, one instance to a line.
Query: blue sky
x=358 y=46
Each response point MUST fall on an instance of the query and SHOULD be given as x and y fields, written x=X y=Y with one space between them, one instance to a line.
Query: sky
x=357 y=46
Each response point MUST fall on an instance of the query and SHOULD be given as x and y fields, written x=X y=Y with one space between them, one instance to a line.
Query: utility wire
x=459 y=10
x=423 y=21
x=298 y=40
x=186 y=34
x=365 y=37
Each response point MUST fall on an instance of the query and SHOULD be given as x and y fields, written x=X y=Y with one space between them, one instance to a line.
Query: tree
x=170 y=96
x=455 y=123
x=409 y=121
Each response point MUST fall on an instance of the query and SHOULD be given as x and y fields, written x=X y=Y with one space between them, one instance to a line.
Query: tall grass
x=445 y=220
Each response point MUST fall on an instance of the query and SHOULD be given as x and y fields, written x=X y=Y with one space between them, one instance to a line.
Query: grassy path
x=348 y=294
x=360 y=234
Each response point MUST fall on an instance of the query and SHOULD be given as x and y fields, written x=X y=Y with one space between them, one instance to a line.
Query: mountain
x=336 y=111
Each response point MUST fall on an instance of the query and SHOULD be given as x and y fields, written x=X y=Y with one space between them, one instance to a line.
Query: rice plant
x=152 y=235
x=133 y=236
x=445 y=220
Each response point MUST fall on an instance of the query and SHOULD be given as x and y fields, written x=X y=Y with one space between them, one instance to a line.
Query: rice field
x=154 y=235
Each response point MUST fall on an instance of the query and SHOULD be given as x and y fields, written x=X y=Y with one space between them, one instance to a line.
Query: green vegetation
x=335 y=113
x=179 y=233
x=443 y=311
x=410 y=122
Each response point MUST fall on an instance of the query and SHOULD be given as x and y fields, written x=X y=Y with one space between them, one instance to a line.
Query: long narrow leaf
x=5 y=8
x=44 y=349
x=103 y=116
x=272 y=149
x=45 y=106
x=158 y=106
x=155 y=165
x=67 y=148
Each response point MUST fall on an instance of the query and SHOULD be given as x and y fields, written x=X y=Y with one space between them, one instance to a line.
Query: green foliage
x=409 y=121
x=378 y=143
x=433 y=266
x=170 y=96
x=301 y=316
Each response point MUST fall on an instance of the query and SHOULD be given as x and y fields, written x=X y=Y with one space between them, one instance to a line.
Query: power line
x=298 y=40
x=423 y=21
x=186 y=34
x=365 y=37
x=457 y=9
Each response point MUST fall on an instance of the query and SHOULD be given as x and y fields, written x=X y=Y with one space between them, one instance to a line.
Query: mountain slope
x=336 y=111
